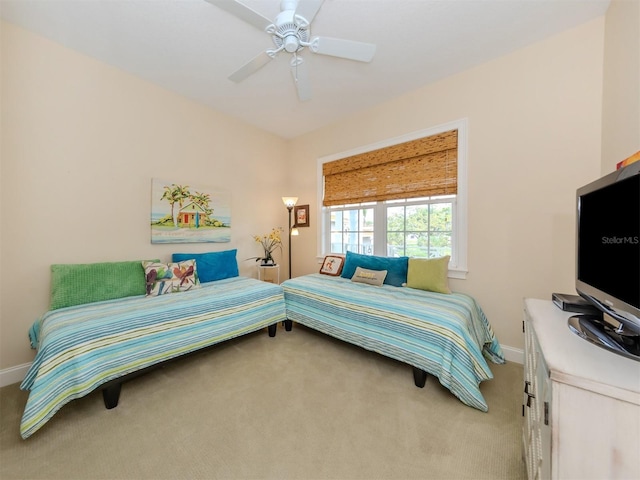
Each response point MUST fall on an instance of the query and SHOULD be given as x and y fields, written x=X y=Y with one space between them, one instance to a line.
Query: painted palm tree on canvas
x=184 y=214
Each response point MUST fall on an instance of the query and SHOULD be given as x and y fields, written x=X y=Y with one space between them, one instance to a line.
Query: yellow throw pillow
x=429 y=274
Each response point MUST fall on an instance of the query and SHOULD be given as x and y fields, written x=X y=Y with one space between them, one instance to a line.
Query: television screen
x=608 y=261
x=609 y=240
x=608 y=247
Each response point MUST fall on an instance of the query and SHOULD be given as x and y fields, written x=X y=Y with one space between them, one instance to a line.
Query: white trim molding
x=12 y=375
x=512 y=354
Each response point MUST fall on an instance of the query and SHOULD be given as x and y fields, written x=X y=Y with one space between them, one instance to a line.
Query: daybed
x=83 y=346
x=444 y=334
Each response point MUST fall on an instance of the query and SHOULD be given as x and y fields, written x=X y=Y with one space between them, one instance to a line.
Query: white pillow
x=370 y=277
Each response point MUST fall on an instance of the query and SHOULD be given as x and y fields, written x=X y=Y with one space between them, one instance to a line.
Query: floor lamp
x=290 y=202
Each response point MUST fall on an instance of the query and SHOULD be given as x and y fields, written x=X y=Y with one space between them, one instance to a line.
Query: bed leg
x=272 y=330
x=419 y=377
x=288 y=324
x=111 y=395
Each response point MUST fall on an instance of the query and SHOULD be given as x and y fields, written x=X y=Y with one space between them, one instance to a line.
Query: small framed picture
x=301 y=213
x=332 y=265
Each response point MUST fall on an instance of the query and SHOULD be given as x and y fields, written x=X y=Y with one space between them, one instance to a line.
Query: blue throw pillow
x=396 y=267
x=212 y=265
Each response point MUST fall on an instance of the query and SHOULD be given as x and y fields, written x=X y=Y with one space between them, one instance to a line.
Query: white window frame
x=459 y=240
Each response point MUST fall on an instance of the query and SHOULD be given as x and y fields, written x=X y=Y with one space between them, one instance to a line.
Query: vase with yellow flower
x=270 y=243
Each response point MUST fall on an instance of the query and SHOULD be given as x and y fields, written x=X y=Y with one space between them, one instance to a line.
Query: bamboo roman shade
x=419 y=168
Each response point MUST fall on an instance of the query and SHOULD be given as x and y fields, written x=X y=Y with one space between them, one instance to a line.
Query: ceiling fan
x=291 y=33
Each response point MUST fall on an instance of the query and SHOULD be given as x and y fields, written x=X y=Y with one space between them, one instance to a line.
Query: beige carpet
x=298 y=406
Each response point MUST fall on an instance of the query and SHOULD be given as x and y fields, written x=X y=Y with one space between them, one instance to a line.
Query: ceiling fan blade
x=337 y=47
x=243 y=13
x=308 y=9
x=300 y=76
x=252 y=66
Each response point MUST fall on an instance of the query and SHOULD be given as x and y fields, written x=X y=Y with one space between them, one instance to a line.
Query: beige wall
x=534 y=137
x=621 y=93
x=80 y=143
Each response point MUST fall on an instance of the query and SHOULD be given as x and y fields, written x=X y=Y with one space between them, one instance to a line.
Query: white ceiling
x=190 y=47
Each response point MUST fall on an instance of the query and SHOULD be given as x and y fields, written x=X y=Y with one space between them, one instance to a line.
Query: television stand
x=581 y=403
x=596 y=330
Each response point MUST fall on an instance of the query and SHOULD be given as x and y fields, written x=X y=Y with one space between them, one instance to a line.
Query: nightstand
x=269 y=273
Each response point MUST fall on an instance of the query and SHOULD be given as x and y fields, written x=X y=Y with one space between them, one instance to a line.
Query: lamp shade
x=289 y=201
x=294 y=232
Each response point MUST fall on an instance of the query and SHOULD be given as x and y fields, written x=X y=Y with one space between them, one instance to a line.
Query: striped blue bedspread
x=445 y=335
x=82 y=347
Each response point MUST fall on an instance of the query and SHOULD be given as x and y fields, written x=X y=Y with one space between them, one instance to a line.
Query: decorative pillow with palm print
x=163 y=278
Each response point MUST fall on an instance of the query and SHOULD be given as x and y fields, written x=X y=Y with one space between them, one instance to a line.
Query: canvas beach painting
x=185 y=213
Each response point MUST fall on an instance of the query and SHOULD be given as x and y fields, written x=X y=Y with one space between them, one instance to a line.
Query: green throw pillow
x=429 y=274
x=76 y=284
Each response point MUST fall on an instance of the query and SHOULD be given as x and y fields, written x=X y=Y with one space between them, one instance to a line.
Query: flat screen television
x=608 y=260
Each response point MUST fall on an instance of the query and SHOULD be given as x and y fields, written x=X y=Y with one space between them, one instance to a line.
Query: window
x=420 y=228
x=414 y=228
x=352 y=229
x=398 y=222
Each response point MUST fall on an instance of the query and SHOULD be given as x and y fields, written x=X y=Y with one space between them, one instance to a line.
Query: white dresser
x=581 y=403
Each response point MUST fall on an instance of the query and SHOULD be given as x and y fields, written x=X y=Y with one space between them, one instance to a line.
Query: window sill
x=456 y=273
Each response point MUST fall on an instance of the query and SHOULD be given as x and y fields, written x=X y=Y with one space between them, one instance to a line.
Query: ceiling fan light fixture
x=291 y=44
x=291 y=32
x=290 y=37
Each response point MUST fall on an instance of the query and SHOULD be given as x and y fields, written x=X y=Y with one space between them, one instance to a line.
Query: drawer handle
x=527 y=384
x=529 y=397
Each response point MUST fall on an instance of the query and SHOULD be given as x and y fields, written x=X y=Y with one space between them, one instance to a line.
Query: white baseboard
x=12 y=375
x=511 y=354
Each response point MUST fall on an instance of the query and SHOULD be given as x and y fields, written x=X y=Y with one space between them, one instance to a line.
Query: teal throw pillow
x=396 y=267
x=212 y=265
